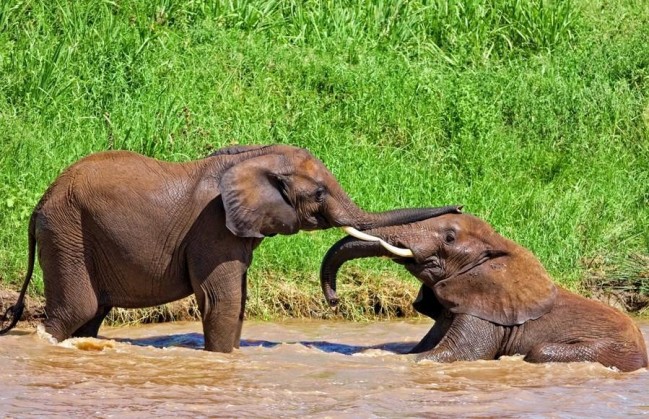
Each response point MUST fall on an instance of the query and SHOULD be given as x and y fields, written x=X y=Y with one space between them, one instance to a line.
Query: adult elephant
x=491 y=297
x=118 y=229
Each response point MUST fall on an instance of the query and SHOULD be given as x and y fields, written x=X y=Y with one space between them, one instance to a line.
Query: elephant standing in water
x=490 y=297
x=118 y=229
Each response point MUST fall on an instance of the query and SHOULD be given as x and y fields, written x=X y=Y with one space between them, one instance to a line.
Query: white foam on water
x=41 y=333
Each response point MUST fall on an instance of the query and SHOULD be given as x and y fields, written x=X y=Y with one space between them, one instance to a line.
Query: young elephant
x=491 y=297
x=118 y=229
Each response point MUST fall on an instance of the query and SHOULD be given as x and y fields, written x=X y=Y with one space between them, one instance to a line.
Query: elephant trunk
x=348 y=248
x=341 y=211
x=362 y=220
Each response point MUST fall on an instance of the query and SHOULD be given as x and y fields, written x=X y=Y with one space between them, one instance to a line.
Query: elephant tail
x=16 y=311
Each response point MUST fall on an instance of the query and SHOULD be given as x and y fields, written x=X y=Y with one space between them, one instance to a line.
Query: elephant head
x=470 y=268
x=282 y=189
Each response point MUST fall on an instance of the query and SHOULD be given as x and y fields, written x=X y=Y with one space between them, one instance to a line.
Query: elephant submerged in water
x=491 y=297
x=118 y=229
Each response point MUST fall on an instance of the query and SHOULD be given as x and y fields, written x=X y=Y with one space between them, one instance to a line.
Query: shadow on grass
x=196 y=341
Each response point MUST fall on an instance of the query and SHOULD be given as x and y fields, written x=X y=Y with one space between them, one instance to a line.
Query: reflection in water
x=296 y=368
x=196 y=341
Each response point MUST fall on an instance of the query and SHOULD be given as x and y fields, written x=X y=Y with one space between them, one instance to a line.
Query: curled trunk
x=348 y=248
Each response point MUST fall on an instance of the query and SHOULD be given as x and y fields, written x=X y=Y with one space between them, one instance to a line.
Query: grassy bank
x=534 y=115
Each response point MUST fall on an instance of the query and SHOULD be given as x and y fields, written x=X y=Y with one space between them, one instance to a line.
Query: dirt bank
x=34 y=307
x=34 y=312
x=361 y=298
x=288 y=302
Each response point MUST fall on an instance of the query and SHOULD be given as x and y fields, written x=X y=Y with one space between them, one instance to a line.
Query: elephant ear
x=254 y=197
x=507 y=291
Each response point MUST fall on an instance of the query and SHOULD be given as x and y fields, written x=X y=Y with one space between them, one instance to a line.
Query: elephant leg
x=242 y=312
x=468 y=338
x=67 y=315
x=70 y=300
x=91 y=328
x=606 y=352
x=220 y=299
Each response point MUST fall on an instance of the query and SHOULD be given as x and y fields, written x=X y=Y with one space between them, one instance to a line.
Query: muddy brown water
x=294 y=369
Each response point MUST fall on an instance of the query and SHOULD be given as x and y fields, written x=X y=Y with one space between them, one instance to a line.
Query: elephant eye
x=450 y=237
x=320 y=194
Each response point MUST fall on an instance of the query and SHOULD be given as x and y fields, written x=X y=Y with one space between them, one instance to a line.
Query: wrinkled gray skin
x=118 y=229
x=490 y=297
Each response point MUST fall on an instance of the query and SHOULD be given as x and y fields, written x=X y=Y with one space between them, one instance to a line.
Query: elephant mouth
x=315 y=222
x=321 y=221
x=402 y=261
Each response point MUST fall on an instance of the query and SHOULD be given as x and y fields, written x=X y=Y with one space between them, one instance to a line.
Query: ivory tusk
x=406 y=253
x=360 y=235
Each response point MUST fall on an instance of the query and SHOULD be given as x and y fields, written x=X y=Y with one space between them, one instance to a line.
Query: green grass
x=533 y=114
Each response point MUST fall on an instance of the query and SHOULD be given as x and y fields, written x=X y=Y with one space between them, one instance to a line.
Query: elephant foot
x=45 y=335
x=54 y=330
x=222 y=327
x=91 y=328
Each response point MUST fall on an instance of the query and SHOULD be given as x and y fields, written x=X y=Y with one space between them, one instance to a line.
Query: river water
x=295 y=368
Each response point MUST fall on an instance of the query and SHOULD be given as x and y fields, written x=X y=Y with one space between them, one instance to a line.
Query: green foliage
x=533 y=114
